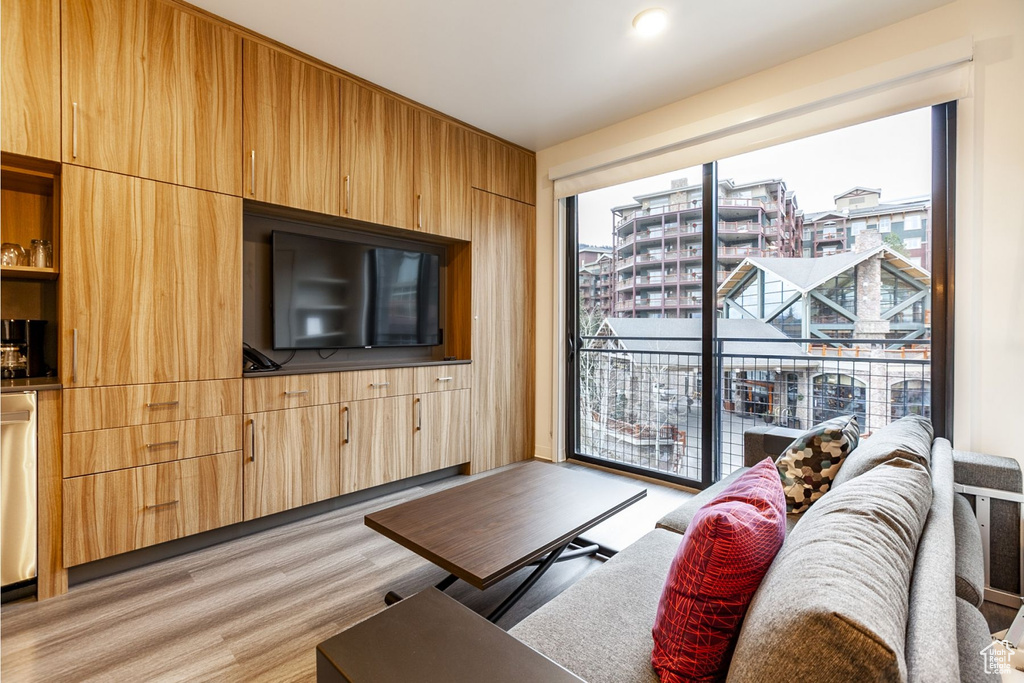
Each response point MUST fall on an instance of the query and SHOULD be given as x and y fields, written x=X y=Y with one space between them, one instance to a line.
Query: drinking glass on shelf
x=42 y=254
x=12 y=254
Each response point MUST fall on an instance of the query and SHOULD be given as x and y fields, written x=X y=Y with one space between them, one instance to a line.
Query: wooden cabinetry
x=30 y=80
x=292 y=148
x=152 y=91
x=151 y=282
x=377 y=442
x=442 y=430
x=503 y=338
x=503 y=170
x=114 y=512
x=443 y=178
x=290 y=459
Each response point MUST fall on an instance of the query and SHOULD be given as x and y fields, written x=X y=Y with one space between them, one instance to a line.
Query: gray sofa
x=837 y=604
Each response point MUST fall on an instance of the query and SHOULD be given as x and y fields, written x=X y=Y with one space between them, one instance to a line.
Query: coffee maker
x=21 y=348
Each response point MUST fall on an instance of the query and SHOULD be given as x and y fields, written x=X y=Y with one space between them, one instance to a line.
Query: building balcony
x=829 y=236
x=624 y=263
x=740 y=253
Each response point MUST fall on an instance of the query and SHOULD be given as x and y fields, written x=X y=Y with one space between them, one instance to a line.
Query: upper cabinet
x=30 y=80
x=151 y=91
x=292 y=151
x=443 y=187
x=503 y=170
x=378 y=138
x=151 y=281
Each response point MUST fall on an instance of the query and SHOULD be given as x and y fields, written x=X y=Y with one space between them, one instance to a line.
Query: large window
x=778 y=287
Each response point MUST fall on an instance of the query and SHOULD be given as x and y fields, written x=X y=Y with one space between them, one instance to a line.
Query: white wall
x=989 y=288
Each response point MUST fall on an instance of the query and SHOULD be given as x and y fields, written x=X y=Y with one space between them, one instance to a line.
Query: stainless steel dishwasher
x=17 y=487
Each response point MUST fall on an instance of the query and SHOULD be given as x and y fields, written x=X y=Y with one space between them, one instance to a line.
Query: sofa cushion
x=721 y=560
x=810 y=463
x=931 y=626
x=600 y=627
x=972 y=636
x=679 y=519
x=970 y=561
x=836 y=598
x=909 y=438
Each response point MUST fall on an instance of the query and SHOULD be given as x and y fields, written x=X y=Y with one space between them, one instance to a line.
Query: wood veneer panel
x=52 y=579
x=30 y=80
x=443 y=188
x=504 y=170
x=377 y=442
x=113 y=449
x=290 y=459
x=358 y=385
x=444 y=430
x=290 y=391
x=292 y=116
x=158 y=93
x=503 y=325
x=151 y=281
x=137 y=404
x=114 y=512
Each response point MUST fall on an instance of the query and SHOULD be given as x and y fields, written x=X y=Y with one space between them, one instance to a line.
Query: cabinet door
x=379 y=157
x=443 y=176
x=442 y=429
x=290 y=459
x=30 y=80
x=503 y=419
x=151 y=282
x=502 y=169
x=292 y=151
x=152 y=91
x=377 y=444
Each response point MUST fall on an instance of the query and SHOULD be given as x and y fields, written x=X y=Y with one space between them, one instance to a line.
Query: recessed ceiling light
x=650 y=22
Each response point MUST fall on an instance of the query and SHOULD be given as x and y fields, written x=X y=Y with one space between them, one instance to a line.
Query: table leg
x=521 y=589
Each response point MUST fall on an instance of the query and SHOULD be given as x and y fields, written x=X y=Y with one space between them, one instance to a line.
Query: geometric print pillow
x=809 y=465
x=726 y=551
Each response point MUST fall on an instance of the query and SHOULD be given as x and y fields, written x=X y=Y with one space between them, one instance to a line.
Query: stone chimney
x=867 y=240
x=870 y=325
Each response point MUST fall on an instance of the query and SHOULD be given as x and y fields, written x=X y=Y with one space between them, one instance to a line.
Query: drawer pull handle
x=252 y=440
x=296 y=392
x=162 y=443
x=445 y=379
x=380 y=384
x=74 y=130
x=162 y=505
x=348 y=425
x=163 y=404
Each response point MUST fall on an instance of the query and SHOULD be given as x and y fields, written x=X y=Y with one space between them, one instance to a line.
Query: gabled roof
x=858 y=190
x=804 y=274
x=654 y=330
x=816 y=216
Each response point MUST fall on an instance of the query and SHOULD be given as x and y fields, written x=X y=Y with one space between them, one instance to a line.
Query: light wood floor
x=254 y=609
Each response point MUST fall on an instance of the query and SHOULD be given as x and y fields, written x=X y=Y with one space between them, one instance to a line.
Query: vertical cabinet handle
x=74 y=130
x=348 y=425
x=252 y=173
x=252 y=439
x=348 y=193
x=419 y=414
x=419 y=211
x=74 y=356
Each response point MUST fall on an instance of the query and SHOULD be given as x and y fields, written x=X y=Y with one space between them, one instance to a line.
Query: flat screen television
x=339 y=294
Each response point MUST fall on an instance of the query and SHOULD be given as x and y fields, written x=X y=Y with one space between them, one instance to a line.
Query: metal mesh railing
x=641 y=399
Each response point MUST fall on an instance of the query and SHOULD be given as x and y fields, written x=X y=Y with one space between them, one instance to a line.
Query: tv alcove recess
x=261 y=223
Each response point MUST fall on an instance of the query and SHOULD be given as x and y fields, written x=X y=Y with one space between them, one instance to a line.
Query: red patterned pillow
x=726 y=551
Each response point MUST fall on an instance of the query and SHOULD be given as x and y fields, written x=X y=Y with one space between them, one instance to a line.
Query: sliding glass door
x=777 y=288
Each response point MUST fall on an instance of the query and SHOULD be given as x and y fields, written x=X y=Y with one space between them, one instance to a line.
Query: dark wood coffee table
x=488 y=529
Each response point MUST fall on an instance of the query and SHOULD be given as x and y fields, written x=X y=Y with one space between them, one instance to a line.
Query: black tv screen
x=336 y=294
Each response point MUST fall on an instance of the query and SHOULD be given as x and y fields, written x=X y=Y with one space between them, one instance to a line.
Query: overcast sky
x=893 y=154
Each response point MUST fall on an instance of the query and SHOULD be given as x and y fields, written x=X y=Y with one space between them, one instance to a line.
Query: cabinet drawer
x=139 y=404
x=114 y=512
x=443 y=378
x=114 y=449
x=289 y=391
x=363 y=384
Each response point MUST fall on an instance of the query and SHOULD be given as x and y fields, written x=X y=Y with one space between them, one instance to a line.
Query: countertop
x=29 y=384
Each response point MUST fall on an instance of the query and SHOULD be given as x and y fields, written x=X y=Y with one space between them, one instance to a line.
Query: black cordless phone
x=258 y=361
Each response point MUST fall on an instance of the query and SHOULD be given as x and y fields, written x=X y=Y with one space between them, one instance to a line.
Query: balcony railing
x=641 y=399
x=744 y=202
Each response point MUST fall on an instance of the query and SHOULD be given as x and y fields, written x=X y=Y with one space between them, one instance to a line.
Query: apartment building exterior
x=903 y=224
x=597 y=288
x=657 y=242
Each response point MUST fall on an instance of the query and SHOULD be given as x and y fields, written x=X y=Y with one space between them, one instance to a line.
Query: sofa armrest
x=766 y=442
x=987 y=471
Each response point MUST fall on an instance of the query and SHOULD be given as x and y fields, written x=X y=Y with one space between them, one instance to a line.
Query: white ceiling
x=538 y=72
